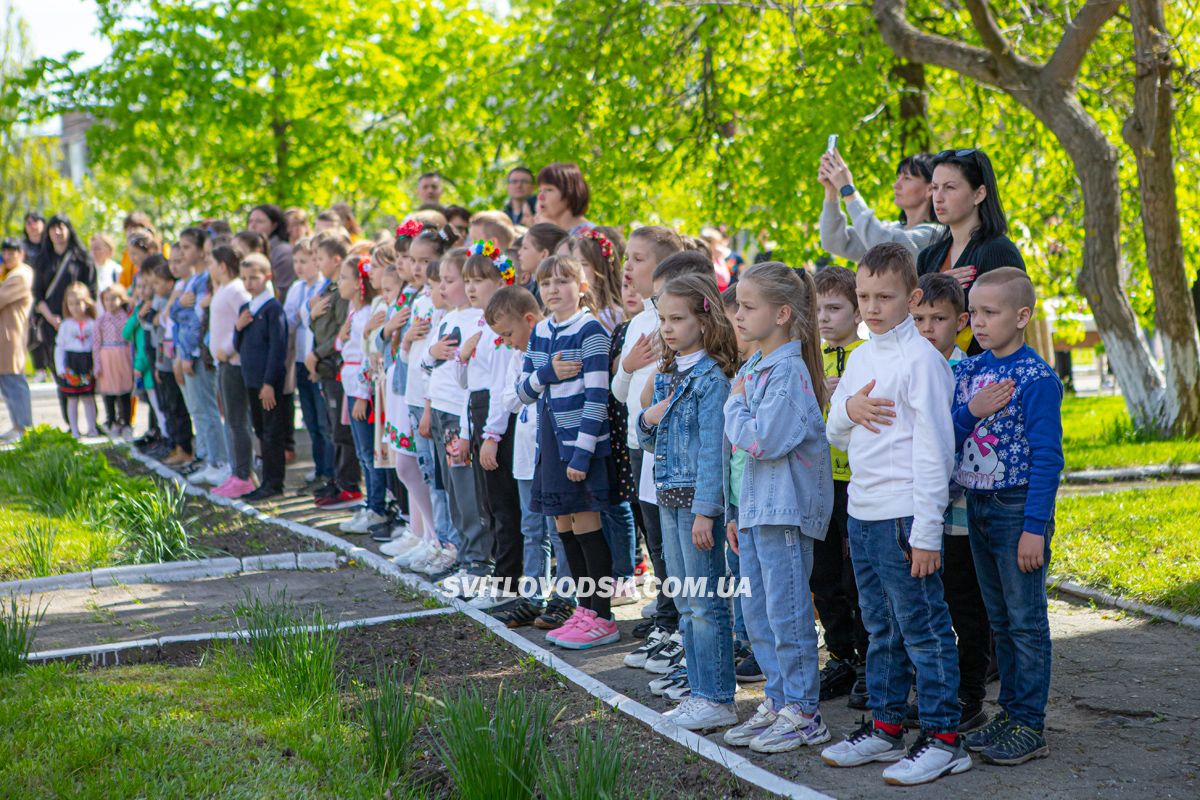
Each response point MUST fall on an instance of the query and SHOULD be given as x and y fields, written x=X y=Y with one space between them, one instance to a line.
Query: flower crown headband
x=409 y=230
x=606 y=248
x=500 y=261
x=364 y=274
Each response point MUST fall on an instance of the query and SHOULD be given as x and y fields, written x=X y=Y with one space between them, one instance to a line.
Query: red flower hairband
x=606 y=248
x=364 y=274
x=409 y=230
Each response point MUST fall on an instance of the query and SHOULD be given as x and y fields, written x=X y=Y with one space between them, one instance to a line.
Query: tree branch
x=1063 y=66
x=989 y=31
x=908 y=42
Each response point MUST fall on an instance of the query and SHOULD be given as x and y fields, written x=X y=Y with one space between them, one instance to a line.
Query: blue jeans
x=363 y=432
x=15 y=390
x=1015 y=601
x=621 y=536
x=535 y=530
x=908 y=624
x=200 y=394
x=443 y=525
x=704 y=617
x=776 y=560
x=312 y=409
x=734 y=561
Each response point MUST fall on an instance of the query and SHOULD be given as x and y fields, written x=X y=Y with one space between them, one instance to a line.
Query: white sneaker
x=698 y=714
x=637 y=659
x=650 y=609
x=310 y=476
x=410 y=558
x=197 y=477
x=362 y=522
x=792 y=729
x=668 y=657
x=865 y=745
x=216 y=475
x=419 y=559
x=927 y=760
x=764 y=717
x=489 y=599
x=399 y=545
x=624 y=593
x=444 y=559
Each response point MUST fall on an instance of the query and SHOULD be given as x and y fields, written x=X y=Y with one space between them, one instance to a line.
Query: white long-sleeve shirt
x=627 y=386
x=417 y=385
x=904 y=470
x=525 y=431
x=446 y=394
x=486 y=371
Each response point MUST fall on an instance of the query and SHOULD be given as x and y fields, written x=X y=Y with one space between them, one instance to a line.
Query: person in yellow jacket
x=832 y=582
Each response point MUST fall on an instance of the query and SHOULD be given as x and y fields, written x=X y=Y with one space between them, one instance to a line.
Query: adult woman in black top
x=63 y=261
x=967 y=201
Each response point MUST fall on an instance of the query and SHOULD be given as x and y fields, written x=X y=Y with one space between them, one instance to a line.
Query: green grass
x=1097 y=433
x=147 y=731
x=18 y=627
x=74 y=543
x=1142 y=544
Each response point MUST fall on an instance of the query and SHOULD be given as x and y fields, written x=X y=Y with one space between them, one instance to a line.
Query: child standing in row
x=774 y=415
x=487 y=360
x=354 y=287
x=228 y=300
x=74 y=359
x=261 y=342
x=113 y=362
x=897 y=496
x=1008 y=418
x=309 y=283
x=835 y=593
x=683 y=428
x=566 y=373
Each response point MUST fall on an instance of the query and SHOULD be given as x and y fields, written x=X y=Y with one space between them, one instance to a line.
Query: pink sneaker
x=234 y=487
x=576 y=618
x=592 y=632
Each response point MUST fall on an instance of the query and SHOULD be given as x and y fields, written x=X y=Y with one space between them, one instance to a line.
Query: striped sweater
x=579 y=405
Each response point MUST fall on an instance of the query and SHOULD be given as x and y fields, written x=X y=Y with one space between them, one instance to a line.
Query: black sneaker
x=648 y=649
x=329 y=489
x=1016 y=745
x=668 y=657
x=557 y=612
x=643 y=628
x=973 y=718
x=837 y=678
x=518 y=614
x=748 y=671
x=741 y=651
x=261 y=493
x=858 y=692
x=912 y=717
x=984 y=737
x=382 y=532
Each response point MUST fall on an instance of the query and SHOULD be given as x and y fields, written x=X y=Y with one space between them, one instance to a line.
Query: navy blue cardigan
x=262 y=345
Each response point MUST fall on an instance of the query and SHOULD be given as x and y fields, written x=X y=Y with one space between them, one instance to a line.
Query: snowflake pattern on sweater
x=997 y=453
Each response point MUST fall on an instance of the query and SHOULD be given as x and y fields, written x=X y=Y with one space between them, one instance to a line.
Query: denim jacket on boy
x=691 y=432
x=788 y=478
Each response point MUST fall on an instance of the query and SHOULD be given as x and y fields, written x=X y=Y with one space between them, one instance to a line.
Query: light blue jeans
x=704 y=617
x=535 y=530
x=200 y=394
x=443 y=525
x=776 y=560
x=909 y=625
x=15 y=390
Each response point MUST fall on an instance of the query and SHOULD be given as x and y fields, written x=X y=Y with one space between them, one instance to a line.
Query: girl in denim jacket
x=683 y=428
x=774 y=414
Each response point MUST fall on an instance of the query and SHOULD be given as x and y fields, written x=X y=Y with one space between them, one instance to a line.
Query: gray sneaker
x=792 y=729
x=928 y=759
x=749 y=730
x=1016 y=745
x=865 y=745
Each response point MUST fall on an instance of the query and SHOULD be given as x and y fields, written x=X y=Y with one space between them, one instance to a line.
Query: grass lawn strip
x=1097 y=434
x=1141 y=544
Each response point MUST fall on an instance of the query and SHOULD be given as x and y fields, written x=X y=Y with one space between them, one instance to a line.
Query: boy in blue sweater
x=262 y=342
x=1010 y=462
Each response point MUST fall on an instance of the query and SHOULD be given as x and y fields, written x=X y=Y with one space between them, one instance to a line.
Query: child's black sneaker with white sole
x=655 y=641
x=668 y=657
x=983 y=738
x=1016 y=745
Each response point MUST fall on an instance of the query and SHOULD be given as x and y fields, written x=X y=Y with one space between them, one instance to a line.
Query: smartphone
x=833 y=137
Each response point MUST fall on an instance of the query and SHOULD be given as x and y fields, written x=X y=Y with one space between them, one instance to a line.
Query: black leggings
x=118 y=410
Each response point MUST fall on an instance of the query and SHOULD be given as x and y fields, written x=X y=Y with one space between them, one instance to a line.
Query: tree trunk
x=915 y=135
x=1148 y=133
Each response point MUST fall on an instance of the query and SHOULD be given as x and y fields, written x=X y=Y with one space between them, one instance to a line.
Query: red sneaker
x=643 y=566
x=343 y=499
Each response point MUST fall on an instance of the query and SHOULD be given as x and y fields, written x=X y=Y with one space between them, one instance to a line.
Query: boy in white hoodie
x=901 y=450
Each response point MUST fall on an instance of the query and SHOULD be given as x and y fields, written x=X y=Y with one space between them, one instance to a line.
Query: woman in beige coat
x=16 y=297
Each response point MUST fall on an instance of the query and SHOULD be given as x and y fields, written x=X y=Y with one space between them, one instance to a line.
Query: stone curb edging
x=1087 y=593
x=99 y=653
x=172 y=572
x=1152 y=471
x=739 y=766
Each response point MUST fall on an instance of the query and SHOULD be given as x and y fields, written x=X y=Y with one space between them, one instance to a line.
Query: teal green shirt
x=737 y=465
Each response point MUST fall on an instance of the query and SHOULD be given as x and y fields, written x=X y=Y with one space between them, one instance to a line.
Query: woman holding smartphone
x=915 y=229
